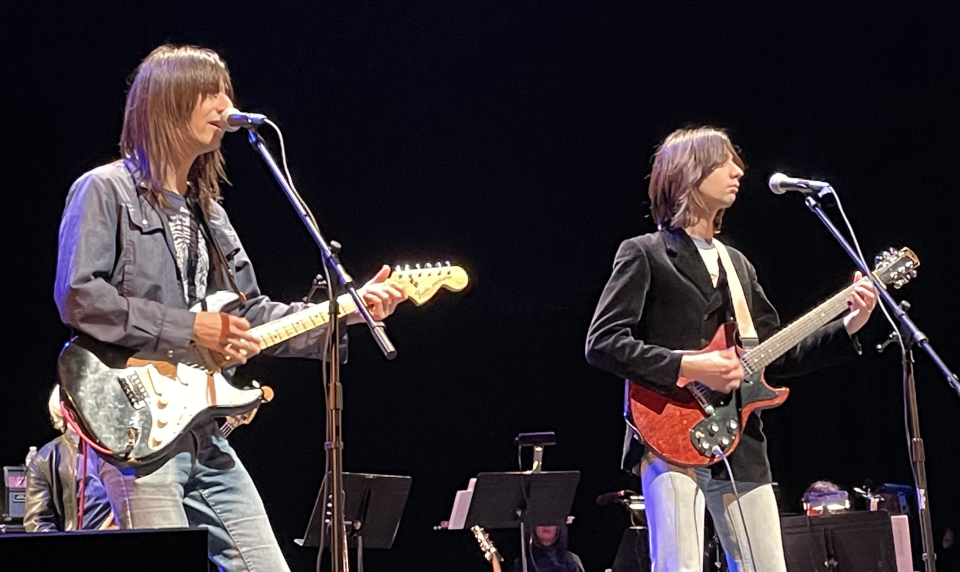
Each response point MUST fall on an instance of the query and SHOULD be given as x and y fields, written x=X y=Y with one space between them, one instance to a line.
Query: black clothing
x=660 y=298
x=51 y=497
x=549 y=559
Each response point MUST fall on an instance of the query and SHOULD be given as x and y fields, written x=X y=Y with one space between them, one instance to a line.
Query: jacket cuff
x=176 y=331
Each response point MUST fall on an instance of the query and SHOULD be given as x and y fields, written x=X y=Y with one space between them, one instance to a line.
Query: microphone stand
x=911 y=336
x=333 y=481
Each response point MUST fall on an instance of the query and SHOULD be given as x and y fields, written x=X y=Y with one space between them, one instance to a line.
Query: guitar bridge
x=133 y=388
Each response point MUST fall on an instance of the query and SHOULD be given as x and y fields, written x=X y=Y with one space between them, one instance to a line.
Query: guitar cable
x=736 y=494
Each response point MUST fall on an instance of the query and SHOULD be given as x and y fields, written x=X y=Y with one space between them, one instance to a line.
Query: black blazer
x=660 y=298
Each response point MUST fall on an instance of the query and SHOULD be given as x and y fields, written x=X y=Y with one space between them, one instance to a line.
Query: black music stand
x=511 y=500
x=372 y=509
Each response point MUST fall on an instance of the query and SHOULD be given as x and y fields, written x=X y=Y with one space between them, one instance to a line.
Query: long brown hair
x=684 y=159
x=163 y=94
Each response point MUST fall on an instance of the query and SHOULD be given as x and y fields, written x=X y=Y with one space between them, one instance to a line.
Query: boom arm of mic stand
x=910 y=332
x=329 y=255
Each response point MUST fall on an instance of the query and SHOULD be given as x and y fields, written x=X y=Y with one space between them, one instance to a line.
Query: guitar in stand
x=135 y=408
x=490 y=551
x=685 y=426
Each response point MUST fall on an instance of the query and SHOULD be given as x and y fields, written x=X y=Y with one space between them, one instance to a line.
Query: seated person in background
x=52 y=485
x=548 y=552
x=825 y=497
x=948 y=559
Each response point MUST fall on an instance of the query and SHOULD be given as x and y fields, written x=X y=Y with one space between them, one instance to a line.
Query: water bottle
x=30 y=455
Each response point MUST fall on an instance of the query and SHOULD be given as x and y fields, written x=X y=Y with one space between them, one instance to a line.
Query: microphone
x=780 y=183
x=233 y=119
x=616 y=496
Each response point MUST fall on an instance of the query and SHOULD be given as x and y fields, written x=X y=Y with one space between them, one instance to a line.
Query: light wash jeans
x=675 y=498
x=203 y=485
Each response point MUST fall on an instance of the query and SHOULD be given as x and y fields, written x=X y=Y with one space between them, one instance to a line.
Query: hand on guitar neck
x=381 y=296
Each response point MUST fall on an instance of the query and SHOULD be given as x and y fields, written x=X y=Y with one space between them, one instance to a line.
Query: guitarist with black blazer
x=668 y=292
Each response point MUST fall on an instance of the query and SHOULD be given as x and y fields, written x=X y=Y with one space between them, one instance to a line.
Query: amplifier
x=14 y=494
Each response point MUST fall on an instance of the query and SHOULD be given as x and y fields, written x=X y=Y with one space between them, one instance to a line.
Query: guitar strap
x=748 y=335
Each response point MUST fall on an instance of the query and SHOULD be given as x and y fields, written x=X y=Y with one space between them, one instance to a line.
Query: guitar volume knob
x=714 y=428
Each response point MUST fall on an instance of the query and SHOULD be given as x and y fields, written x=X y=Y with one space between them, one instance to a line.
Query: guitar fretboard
x=282 y=329
x=756 y=359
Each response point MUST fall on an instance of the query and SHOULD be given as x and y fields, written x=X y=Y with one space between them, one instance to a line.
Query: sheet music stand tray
x=511 y=500
x=372 y=508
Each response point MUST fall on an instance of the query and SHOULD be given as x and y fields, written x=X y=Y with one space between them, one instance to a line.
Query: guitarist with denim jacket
x=133 y=258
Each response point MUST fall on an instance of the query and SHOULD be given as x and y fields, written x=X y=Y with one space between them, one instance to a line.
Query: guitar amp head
x=14 y=494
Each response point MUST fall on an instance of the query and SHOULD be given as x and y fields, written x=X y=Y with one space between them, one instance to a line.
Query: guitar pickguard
x=722 y=427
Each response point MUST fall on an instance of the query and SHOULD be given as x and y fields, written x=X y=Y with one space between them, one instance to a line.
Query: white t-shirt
x=711 y=258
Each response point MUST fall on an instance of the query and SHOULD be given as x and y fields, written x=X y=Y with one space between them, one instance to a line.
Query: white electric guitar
x=134 y=409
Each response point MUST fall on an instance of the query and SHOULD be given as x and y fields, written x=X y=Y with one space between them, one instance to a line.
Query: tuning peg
x=877 y=260
x=407 y=268
x=418 y=267
x=429 y=265
x=397 y=269
x=909 y=264
x=913 y=274
x=898 y=284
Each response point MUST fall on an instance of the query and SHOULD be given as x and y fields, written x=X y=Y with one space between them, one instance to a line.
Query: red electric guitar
x=685 y=426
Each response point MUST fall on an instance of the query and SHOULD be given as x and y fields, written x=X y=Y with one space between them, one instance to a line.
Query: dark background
x=514 y=138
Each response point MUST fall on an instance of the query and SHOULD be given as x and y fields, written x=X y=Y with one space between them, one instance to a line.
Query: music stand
x=372 y=510
x=510 y=500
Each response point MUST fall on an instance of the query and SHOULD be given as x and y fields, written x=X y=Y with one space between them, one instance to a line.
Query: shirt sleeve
x=260 y=309
x=611 y=344
x=39 y=514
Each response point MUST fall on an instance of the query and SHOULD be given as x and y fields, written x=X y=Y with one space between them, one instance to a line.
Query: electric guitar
x=685 y=426
x=233 y=421
x=490 y=551
x=134 y=409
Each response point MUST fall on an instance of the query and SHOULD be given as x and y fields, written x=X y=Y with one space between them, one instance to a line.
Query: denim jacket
x=117 y=278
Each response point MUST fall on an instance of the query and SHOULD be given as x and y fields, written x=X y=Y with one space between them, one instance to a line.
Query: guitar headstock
x=896 y=267
x=486 y=545
x=421 y=283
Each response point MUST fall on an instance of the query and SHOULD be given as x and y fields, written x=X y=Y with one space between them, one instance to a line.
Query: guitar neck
x=282 y=329
x=756 y=359
x=419 y=284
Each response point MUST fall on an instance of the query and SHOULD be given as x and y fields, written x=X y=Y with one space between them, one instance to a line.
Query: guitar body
x=138 y=408
x=678 y=428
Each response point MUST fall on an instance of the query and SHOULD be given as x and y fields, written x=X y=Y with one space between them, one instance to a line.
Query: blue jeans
x=204 y=484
